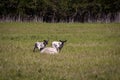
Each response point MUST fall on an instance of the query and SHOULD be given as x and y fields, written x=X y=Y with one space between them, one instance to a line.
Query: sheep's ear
x=44 y=40
x=60 y=40
x=65 y=41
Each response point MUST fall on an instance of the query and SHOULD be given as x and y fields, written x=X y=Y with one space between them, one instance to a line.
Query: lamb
x=56 y=44
x=56 y=48
x=40 y=45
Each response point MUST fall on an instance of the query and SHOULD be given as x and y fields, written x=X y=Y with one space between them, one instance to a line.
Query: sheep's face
x=45 y=42
x=62 y=44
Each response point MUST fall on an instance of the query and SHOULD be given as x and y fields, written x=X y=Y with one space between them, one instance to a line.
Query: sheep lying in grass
x=40 y=45
x=56 y=48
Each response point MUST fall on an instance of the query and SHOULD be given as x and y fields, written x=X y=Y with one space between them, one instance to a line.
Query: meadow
x=92 y=51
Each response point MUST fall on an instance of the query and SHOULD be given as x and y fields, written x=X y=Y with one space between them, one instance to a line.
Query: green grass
x=92 y=51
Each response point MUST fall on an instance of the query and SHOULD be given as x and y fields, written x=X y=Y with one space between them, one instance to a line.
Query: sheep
x=54 y=49
x=40 y=45
x=49 y=50
x=56 y=44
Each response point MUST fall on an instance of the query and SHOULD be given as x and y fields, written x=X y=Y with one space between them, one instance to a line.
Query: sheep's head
x=62 y=44
x=45 y=42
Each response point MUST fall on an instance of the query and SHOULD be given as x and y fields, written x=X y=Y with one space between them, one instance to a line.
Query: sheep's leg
x=35 y=46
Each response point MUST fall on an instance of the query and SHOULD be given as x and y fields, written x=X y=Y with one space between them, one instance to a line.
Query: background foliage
x=60 y=10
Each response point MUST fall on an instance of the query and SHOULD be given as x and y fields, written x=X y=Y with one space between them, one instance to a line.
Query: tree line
x=60 y=10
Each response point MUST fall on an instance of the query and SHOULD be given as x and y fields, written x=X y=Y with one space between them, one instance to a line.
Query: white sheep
x=56 y=48
x=40 y=45
x=58 y=44
x=49 y=50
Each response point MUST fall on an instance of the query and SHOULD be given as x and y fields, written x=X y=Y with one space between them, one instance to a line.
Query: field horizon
x=92 y=51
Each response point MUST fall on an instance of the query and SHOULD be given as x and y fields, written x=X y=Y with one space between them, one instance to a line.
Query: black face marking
x=61 y=46
x=45 y=42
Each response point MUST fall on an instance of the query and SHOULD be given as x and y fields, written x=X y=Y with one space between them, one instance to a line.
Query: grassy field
x=92 y=51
